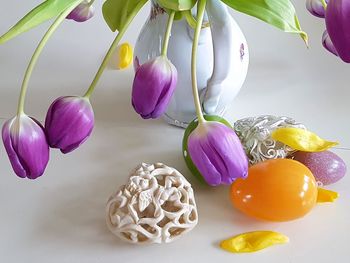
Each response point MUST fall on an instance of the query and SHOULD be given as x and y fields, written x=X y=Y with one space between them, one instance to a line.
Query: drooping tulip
x=82 y=12
x=316 y=7
x=26 y=145
x=338 y=26
x=328 y=44
x=217 y=153
x=153 y=87
x=69 y=122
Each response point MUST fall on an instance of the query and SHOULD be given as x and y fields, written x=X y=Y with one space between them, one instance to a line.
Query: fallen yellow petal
x=326 y=196
x=301 y=140
x=253 y=241
x=125 y=56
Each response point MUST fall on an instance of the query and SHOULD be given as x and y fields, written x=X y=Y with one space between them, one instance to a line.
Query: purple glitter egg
x=327 y=167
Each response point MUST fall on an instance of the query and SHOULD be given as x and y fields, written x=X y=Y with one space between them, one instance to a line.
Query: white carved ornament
x=156 y=205
x=255 y=135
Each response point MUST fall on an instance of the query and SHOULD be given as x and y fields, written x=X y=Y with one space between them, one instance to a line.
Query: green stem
x=114 y=45
x=200 y=14
x=324 y=4
x=168 y=33
x=37 y=52
x=191 y=21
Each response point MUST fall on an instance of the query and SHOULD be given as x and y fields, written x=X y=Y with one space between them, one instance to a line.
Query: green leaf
x=117 y=12
x=177 y=5
x=279 y=13
x=191 y=127
x=40 y=14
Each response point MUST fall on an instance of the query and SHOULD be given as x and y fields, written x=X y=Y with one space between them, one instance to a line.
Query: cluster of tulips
x=215 y=148
x=68 y=124
x=336 y=37
x=210 y=144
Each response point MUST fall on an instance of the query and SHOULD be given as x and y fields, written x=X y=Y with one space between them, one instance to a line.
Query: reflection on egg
x=327 y=167
x=276 y=190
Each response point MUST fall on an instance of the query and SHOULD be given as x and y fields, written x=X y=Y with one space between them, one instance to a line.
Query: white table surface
x=61 y=218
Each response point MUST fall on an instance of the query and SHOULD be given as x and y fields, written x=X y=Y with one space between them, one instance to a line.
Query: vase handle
x=222 y=37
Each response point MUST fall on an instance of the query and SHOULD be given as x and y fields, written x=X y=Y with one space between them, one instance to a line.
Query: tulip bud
x=338 y=26
x=69 y=122
x=82 y=12
x=316 y=8
x=217 y=153
x=328 y=44
x=26 y=146
x=154 y=85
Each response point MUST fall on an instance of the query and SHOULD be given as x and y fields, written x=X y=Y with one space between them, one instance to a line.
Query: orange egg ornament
x=276 y=190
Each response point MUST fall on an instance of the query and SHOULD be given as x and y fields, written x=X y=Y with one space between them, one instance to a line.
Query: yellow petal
x=301 y=140
x=125 y=55
x=253 y=241
x=326 y=196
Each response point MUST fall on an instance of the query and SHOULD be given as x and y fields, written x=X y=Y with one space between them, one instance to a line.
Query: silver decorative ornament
x=255 y=135
x=156 y=205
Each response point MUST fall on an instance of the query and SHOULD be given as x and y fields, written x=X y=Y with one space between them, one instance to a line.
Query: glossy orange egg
x=276 y=190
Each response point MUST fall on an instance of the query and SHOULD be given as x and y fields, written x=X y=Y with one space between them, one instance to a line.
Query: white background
x=60 y=217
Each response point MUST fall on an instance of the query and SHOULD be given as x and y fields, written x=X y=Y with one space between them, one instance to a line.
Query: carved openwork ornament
x=156 y=205
x=255 y=135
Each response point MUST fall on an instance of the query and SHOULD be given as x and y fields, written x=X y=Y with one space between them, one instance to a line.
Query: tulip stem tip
x=36 y=55
x=324 y=4
x=200 y=15
x=168 y=33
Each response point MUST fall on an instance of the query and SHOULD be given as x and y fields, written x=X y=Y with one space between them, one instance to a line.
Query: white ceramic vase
x=222 y=65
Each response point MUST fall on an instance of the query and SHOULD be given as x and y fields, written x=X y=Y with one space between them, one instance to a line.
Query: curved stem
x=168 y=33
x=324 y=4
x=37 y=52
x=201 y=9
x=191 y=21
x=113 y=47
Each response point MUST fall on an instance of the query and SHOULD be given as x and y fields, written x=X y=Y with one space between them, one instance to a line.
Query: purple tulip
x=26 y=146
x=154 y=85
x=218 y=154
x=69 y=122
x=316 y=8
x=328 y=44
x=338 y=26
x=82 y=12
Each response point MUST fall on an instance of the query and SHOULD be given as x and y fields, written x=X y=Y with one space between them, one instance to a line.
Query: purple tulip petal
x=338 y=26
x=229 y=145
x=217 y=153
x=26 y=145
x=202 y=161
x=82 y=12
x=15 y=162
x=153 y=87
x=328 y=44
x=316 y=8
x=69 y=123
